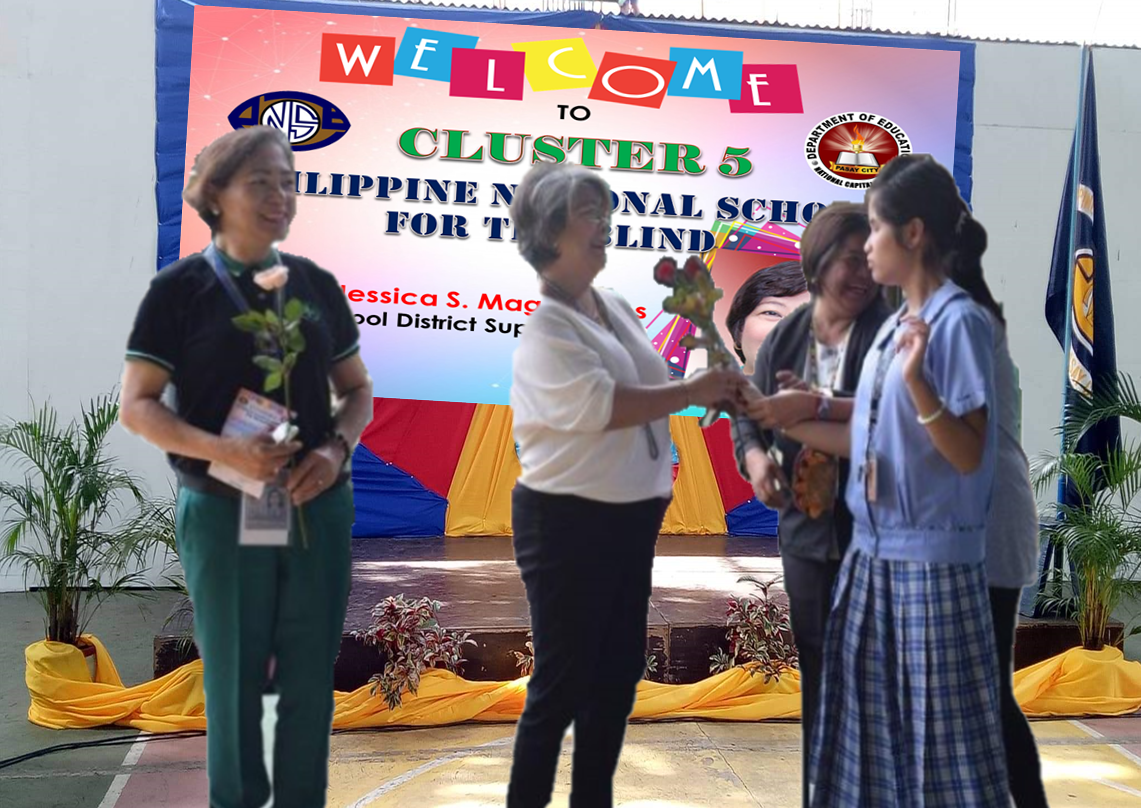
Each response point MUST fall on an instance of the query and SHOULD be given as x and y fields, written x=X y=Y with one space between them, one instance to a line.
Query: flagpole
x=1075 y=186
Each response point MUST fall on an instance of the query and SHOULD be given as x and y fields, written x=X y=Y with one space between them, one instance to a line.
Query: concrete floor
x=127 y=626
x=668 y=765
x=672 y=765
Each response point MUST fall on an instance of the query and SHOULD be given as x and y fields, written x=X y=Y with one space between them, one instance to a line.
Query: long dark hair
x=915 y=186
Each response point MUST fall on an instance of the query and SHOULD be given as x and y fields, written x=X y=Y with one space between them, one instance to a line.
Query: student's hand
x=913 y=345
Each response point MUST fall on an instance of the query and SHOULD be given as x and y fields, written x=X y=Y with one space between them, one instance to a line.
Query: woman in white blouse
x=591 y=400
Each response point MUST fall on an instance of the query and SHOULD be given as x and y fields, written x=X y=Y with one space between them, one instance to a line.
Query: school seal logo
x=309 y=121
x=849 y=149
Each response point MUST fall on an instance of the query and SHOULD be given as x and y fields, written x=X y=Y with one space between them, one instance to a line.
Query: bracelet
x=823 y=408
x=926 y=420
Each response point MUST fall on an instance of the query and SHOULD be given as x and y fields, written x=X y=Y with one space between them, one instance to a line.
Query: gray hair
x=542 y=205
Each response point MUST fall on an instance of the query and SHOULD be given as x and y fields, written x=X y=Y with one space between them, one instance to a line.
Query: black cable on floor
x=124 y=740
x=120 y=740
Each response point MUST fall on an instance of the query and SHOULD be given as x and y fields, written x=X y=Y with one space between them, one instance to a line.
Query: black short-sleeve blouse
x=185 y=324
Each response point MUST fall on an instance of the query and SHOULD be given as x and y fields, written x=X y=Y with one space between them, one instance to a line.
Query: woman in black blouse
x=254 y=603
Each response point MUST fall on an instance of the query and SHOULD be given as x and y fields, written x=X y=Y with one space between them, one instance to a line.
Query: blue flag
x=1078 y=297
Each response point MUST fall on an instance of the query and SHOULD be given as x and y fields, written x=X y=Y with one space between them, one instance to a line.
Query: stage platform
x=478 y=585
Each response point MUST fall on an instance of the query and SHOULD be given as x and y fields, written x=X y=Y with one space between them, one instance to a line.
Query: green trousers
x=254 y=603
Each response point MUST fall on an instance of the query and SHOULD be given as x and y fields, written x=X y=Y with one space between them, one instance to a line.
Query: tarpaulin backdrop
x=411 y=127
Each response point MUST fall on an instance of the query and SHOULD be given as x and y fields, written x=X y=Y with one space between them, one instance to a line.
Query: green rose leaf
x=251 y=322
x=272 y=382
x=268 y=364
x=294 y=310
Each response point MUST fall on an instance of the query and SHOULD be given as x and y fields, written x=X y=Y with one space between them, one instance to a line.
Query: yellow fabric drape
x=1080 y=682
x=1076 y=682
x=479 y=499
x=64 y=697
x=696 y=509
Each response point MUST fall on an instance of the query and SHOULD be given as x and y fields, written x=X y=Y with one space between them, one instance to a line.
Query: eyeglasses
x=592 y=215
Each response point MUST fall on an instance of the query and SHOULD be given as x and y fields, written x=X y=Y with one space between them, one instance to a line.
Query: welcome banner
x=411 y=133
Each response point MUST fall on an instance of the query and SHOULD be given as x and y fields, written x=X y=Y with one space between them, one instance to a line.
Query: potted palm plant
x=1101 y=534
x=78 y=526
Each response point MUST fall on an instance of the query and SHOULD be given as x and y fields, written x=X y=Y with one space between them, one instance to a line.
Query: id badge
x=871 y=479
x=266 y=520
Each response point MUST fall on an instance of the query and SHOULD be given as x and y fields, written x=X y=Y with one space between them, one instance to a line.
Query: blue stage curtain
x=751 y=519
x=390 y=503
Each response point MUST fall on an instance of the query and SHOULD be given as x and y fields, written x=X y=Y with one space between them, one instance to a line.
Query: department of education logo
x=849 y=149
x=308 y=121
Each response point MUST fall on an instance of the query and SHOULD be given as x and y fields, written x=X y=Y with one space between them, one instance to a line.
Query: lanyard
x=811 y=370
x=224 y=277
x=869 y=473
x=883 y=365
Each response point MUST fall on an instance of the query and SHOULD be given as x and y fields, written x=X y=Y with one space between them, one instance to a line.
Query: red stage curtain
x=734 y=490
x=422 y=438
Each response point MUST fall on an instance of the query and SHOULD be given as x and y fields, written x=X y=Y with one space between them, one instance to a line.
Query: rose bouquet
x=693 y=298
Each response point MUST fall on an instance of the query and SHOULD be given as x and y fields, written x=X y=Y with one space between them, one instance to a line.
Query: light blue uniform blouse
x=925 y=510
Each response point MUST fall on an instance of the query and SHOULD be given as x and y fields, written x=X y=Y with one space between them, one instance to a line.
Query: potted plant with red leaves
x=411 y=640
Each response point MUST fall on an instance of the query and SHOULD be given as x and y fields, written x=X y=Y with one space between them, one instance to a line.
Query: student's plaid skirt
x=909 y=714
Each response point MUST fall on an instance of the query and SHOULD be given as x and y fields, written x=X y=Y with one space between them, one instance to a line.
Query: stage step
x=478 y=585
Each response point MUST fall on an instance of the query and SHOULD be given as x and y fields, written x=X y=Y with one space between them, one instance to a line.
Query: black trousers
x=808 y=584
x=1022 y=764
x=587 y=568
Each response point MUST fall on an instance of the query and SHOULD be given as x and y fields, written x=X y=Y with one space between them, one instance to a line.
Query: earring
x=216 y=212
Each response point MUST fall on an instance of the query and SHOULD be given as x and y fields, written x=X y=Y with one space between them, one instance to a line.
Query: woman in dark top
x=254 y=603
x=824 y=343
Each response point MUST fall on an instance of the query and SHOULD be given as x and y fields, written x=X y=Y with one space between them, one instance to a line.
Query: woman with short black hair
x=768 y=296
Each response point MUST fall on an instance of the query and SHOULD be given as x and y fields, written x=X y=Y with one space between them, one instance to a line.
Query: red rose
x=665 y=271
x=694 y=267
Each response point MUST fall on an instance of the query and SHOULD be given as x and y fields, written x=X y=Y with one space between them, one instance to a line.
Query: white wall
x=78 y=222
x=77 y=205
x=1025 y=108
